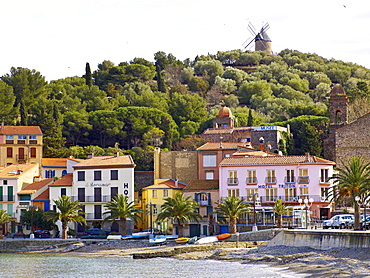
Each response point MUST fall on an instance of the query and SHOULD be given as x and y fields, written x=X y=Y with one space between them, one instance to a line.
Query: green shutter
x=10 y=194
x=1 y=193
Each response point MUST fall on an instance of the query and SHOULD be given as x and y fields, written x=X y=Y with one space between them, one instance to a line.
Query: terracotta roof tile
x=15 y=170
x=274 y=160
x=216 y=146
x=43 y=196
x=66 y=180
x=54 y=162
x=107 y=161
x=171 y=184
x=21 y=130
x=202 y=185
x=33 y=187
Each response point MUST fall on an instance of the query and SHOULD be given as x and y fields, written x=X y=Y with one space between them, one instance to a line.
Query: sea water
x=30 y=265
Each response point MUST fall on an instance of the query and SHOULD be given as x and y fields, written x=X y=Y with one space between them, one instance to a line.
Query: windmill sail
x=262 y=41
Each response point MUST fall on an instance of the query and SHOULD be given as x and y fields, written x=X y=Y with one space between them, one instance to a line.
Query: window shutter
x=46 y=174
x=196 y=197
x=53 y=173
x=209 y=198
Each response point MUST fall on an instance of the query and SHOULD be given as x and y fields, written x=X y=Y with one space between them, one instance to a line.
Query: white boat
x=171 y=236
x=109 y=237
x=140 y=234
x=207 y=239
x=160 y=239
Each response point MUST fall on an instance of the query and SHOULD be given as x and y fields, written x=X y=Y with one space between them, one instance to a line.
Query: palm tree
x=280 y=209
x=119 y=208
x=4 y=218
x=179 y=210
x=232 y=207
x=69 y=211
x=351 y=181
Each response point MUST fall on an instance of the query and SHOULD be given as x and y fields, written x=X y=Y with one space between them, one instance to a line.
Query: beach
x=344 y=262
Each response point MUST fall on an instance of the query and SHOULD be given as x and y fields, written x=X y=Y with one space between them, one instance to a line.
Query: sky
x=58 y=37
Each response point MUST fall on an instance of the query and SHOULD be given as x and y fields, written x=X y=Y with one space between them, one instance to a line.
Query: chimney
x=90 y=155
x=116 y=154
x=262 y=144
x=36 y=178
x=307 y=156
x=176 y=183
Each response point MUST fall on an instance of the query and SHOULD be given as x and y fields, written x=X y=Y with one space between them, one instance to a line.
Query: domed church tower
x=224 y=119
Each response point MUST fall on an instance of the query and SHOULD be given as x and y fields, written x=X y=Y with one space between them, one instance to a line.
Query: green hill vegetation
x=137 y=105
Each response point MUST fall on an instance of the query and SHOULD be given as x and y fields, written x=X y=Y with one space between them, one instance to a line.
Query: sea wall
x=25 y=245
x=322 y=240
x=262 y=235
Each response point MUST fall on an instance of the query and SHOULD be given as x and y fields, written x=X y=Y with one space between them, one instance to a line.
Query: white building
x=94 y=182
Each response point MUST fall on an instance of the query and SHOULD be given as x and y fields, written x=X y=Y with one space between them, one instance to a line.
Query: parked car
x=338 y=221
x=95 y=231
x=365 y=223
x=42 y=234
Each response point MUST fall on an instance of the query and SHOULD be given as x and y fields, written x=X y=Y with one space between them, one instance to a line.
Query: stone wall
x=180 y=165
x=24 y=245
x=322 y=240
x=143 y=179
x=263 y=235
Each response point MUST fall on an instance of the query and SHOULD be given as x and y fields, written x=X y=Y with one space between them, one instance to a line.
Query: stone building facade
x=346 y=140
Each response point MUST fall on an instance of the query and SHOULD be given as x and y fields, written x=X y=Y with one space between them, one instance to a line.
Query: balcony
x=7 y=198
x=270 y=180
x=232 y=181
x=91 y=216
x=92 y=199
x=204 y=202
x=303 y=179
x=251 y=180
x=289 y=199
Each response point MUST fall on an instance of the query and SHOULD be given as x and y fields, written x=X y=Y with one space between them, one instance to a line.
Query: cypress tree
x=250 y=118
x=88 y=75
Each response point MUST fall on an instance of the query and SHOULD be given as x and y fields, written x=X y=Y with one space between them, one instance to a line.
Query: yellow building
x=153 y=197
x=20 y=145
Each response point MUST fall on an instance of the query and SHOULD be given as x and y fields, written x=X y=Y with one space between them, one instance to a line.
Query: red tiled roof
x=43 y=196
x=274 y=160
x=197 y=185
x=21 y=130
x=167 y=184
x=217 y=146
x=107 y=161
x=54 y=162
x=33 y=187
x=66 y=180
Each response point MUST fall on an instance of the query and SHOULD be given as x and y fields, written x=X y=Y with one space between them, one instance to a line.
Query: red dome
x=224 y=113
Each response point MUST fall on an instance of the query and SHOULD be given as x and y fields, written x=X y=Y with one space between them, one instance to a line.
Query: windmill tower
x=261 y=40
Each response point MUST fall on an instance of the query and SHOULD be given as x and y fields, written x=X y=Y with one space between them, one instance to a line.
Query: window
x=270 y=176
x=10 y=194
x=209 y=175
x=324 y=175
x=233 y=177
x=233 y=192
x=80 y=175
x=165 y=193
x=9 y=137
x=5 y=182
x=114 y=175
x=21 y=153
x=63 y=191
x=227 y=155
x=324 y=193
x=33 y=152
x=154 y=194
x=81 y=194
x=271 y=194
x=290 y=194
x=25 y=197
x=250 y=193
x=209 y=160
x=97 y=175
x=97 y=212
x=32 y=137
x=9 y=152
x=32 y=142
x=113 y=192
x=155 y=210
x=251 y=179
x=303 y=176
x=10 y=209
x=49 y=174
x=22 y=137
x=289 y=176
x=303 y=191
x=97 y=194
x=21 y=142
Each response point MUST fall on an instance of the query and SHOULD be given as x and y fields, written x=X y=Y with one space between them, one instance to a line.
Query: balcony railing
x=204 y=202
x=270 y=180
x=303 y=179
x=91 y=216
x=251 y=180
x=290 y=199
x=93 y=199
x=7 y=198
x=232 y=181
x=289 y=179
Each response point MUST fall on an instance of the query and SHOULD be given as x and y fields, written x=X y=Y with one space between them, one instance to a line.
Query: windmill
x=261 y=40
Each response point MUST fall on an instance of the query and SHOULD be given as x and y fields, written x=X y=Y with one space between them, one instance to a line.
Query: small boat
x=160 y=239
x=182 y=240
x=223 y=236
x=115 y=237
x=127 y=237
x=208 y=239
x=171 y=236
x=140 y=235
x=193 y=240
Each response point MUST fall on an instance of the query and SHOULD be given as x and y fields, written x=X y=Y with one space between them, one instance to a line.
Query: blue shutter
x=53 y=173
x=46 y=174
x=196 y=197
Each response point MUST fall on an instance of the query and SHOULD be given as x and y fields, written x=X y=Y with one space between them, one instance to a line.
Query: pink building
x=290 y=178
